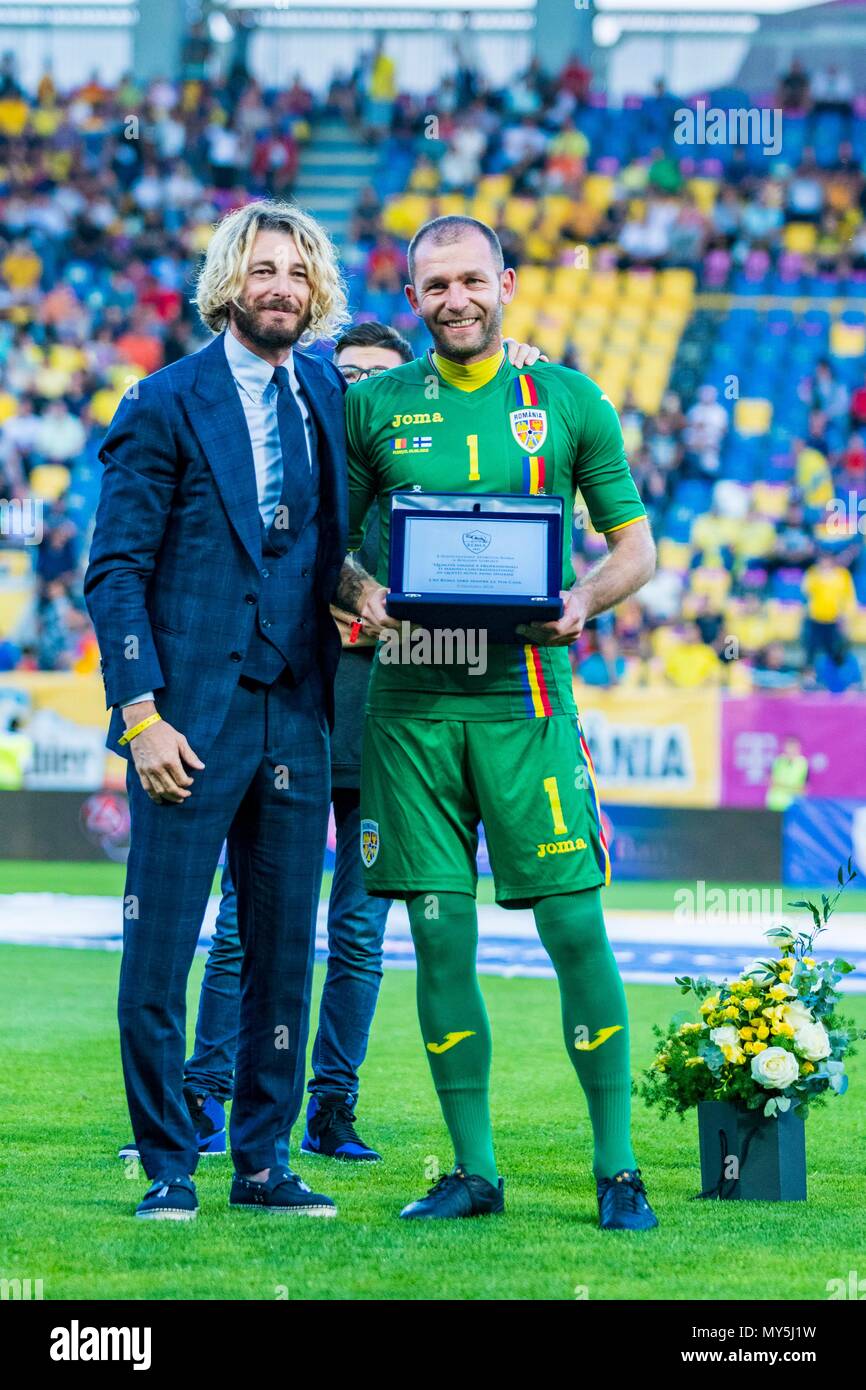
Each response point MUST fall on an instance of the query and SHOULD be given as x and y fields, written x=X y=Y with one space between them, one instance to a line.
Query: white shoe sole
x=285 y=1211
x=174 y=1214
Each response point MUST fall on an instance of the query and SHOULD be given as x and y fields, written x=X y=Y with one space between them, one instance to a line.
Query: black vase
x=770 y=1154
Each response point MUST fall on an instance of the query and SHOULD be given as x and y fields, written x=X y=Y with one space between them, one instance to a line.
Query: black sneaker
x=330 y=1131
x=622 y=1203
x=282 y=1194
x=169 y=1199
x=458 y=1194
x=208 y=1116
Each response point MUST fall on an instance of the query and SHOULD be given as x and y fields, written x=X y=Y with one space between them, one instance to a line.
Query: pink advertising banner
x=831 y=730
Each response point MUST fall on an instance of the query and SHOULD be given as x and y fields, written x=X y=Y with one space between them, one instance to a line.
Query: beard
x=251 y=322
x=475 y=344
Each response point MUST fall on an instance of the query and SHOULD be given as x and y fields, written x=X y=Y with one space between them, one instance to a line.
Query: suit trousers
x=266 y=790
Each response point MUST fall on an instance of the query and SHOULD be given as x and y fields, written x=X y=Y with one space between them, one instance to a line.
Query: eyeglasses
x=358 y=373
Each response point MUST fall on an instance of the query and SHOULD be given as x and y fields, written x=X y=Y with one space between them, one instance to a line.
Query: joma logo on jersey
x=529 y=427
x=400 y=420
x=560 y=847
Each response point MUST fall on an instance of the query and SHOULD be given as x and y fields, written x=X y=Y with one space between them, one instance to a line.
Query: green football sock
x=454 y=1022
x=571 y=928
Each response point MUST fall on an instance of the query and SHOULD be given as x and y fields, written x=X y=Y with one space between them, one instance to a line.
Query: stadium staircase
x=335 y=164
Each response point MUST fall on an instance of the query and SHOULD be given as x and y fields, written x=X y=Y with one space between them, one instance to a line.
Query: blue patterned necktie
x=297 y=481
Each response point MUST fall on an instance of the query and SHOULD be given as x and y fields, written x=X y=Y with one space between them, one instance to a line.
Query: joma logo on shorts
x=560 y=847
x=428 y=419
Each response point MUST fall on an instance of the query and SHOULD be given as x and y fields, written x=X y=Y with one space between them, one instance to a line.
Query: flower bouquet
x=768 y=1045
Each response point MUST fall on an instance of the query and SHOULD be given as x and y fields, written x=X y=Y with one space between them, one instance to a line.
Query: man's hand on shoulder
x=159 y=754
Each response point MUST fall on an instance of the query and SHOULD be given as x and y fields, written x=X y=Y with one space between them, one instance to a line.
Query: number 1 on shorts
x=559 y=825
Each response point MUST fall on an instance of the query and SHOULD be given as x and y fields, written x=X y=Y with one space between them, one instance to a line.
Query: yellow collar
x=471 y=375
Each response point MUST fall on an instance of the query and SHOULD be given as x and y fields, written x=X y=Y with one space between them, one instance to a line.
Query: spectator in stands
x=794 y=546
x=385 y=265
x=706 y=427
x=829 y=592
x=772 y=669
x=838 y=669
x=602 y=665
x=690 y=662
x=805 y=192
x=823 y=391
x=61 y=434
x=461 y=164
x=381 y=86
x=793 y=92
x=832 y=90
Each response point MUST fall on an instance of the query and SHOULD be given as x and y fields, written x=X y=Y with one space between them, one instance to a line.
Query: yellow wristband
x=139 y=728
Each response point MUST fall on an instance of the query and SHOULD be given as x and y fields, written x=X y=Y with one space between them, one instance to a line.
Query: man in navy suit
x=219 y=536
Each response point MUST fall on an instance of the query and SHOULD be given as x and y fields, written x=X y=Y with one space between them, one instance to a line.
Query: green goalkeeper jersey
x=548 y=430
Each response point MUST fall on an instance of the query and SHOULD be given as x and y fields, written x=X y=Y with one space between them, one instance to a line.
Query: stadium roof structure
x=821 y=35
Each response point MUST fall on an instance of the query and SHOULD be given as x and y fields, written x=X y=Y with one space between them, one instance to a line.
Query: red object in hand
x=355 y=631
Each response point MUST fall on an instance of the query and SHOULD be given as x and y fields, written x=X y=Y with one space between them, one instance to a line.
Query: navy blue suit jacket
x=176 y=551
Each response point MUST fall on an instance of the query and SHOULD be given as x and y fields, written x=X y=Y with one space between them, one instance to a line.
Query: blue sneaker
x=208 y=1116
x=283 y=1194
x=330 y=1131
x=622 y=1203
x=169 y=1199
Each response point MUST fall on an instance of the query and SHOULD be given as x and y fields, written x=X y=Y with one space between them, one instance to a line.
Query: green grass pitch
x=66 y=1217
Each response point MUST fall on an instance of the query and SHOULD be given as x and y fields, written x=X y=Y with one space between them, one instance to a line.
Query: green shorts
x=426 y=784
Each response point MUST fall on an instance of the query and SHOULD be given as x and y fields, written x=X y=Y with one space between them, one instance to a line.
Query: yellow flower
x=787 y=963
x=694 y=1061
x=740 y=986
x=807 y=1066
x=735 y=1055
x=746 y=1032
x=783 y=1030
x=758 y=1046
x=807 y=960
x=710 y=1004
x=780 y=992
x=750 y=1047
x=691 y=1027
x=731 y=1011
x=785 y=976
x=751 y=1003
x=762 y=1030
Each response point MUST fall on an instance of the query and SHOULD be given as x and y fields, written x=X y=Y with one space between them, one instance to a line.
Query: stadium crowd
x=107 y=198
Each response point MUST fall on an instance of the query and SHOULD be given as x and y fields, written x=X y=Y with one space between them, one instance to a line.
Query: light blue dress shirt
x=258 y=393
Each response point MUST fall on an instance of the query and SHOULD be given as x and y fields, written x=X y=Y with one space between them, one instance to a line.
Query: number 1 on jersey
x=559 y=825
x=472 y=441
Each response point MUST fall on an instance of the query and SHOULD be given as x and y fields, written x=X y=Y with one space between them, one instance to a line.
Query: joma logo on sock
x=76 y=1343
x=560 y=847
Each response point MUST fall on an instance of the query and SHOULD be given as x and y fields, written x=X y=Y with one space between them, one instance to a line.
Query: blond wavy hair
x=221 y=278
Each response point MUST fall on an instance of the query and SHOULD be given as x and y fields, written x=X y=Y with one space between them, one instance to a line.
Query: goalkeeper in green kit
x=447 y=746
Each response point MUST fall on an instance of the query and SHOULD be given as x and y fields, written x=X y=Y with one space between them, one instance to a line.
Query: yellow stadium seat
x=771 y=499
x=647 y=394
x=676 y=286
x=518 y=214
x=8 y=406
x=533 y=281
x=403 y=215
x=15 y=564
x=704 y=192
x=603 y=287
x=495 y=186
x=450 y=204
x=786 y=620
x=800 y=237
x=753 y=415
x=856 y=625
x=49 y=481
x=756 y=536
x=568 y=284
x=714 y=584
x=599 y=190
x=674 y=555
x=13 y=605
x=556 y=209
x=638 y=286
x=847 y=339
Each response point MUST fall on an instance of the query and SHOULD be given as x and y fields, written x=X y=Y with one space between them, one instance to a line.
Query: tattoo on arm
x=352 y=584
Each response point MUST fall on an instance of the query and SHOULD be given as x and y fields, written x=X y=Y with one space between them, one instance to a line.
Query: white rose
x=797 y=1014
x=726 y=1036
x=811 y=1041
x=757 y=970
x=775 y=1068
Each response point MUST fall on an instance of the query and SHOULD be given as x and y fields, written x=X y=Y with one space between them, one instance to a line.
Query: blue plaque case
x=497 y=614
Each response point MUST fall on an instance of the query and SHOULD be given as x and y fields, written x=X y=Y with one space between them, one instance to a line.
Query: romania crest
x=369 y=842
x=529 y=427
